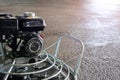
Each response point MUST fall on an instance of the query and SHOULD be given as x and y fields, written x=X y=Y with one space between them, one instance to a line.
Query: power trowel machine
x=22 y=54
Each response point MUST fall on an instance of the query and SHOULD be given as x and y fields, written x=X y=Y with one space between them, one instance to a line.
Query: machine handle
x=80 y=56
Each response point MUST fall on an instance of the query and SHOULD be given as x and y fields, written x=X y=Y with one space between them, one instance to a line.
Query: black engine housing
x=21 y=34
x=9 y=24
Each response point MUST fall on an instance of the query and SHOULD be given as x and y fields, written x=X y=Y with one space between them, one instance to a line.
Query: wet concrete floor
x=96 y=22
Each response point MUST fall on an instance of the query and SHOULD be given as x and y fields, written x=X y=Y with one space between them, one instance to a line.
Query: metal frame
x=62 y=68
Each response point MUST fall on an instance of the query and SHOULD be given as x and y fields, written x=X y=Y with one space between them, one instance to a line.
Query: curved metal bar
x=68 y=74
x=34 y=72
x=65 y=66
x=57 y=46
x=80 y=56
x=60 y=70
x=31 y=64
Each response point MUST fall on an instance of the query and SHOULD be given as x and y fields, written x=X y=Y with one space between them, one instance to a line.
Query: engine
x=20 y=35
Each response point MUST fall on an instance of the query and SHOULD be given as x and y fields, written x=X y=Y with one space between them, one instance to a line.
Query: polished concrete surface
x=96 y=22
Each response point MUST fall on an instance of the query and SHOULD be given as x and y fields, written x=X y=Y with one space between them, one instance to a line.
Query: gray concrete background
x=96 y=22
